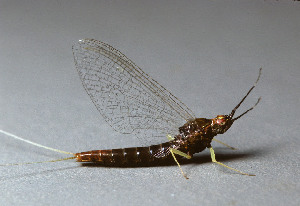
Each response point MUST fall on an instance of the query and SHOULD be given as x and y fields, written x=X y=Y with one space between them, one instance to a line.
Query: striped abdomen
x=127 y=156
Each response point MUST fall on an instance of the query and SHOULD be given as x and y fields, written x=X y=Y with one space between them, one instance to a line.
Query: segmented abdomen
x=126 y=156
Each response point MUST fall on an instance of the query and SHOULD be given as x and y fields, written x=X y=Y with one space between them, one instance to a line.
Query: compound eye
x=221 y=120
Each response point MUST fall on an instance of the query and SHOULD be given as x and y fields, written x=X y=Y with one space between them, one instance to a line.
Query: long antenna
x=248 y=109
x=239 y=104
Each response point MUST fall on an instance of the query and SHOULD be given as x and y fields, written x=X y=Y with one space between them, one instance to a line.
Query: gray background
x=207 y=53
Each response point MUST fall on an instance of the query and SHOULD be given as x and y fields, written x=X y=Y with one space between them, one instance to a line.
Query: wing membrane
x=128 y=99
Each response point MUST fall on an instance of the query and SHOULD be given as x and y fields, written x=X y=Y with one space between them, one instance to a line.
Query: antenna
x=239 y=104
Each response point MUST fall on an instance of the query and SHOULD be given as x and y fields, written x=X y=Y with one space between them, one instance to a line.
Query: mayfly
x=134 y=103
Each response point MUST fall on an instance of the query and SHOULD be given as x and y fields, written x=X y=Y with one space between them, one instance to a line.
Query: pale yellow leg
x=171 y=150
x=213 y=158
x=224 y=144
x=175 y=151
x=170 y=138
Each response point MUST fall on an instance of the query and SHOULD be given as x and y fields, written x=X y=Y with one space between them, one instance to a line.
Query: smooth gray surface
x=207 y=53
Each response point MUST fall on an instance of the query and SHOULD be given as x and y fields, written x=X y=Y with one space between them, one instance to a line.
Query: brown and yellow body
x=193 y=137
x=128 y=98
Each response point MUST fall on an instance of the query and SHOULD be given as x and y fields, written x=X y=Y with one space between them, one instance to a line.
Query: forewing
x=128 y=99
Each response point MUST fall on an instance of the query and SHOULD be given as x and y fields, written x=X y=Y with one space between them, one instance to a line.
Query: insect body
x=194 y=137
x=133 y=103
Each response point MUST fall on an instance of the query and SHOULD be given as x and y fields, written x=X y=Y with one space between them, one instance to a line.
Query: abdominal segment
x=126 y=156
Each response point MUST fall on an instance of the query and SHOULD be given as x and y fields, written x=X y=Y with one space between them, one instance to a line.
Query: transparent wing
x=128 y=99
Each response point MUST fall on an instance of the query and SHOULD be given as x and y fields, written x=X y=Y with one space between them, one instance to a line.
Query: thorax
x=195 y=135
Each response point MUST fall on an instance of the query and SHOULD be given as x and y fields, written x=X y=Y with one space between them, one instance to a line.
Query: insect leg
x=177 y=152
x=224 y=144
x=213 y=158
x=170 y=138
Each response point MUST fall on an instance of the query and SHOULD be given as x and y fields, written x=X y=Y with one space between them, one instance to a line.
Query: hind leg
x=213 y=159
